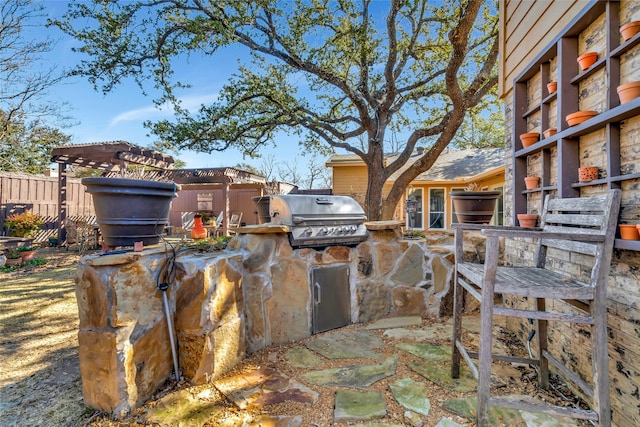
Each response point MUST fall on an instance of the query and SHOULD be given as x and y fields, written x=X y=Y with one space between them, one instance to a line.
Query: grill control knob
x=308 y=231
x=323 y=231
x=353 y=228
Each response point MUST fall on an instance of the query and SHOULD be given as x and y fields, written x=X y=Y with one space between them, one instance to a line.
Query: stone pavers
x=355 y=402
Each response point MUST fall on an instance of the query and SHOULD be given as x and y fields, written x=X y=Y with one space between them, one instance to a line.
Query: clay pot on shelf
x=586 y=60
x=587 y=173
x=531 y=182
x=550 y=132
x=552 y=87
x=629 y=232
x=629 y=30
x=527 y=220
x=529 y=138
x=628 y=91
x=580 y=116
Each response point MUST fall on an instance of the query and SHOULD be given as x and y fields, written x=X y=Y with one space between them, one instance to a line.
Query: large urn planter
x=474 y=207
x=628 y=91
x=130 y=210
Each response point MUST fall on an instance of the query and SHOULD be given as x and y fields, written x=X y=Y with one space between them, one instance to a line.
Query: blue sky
x=120 y=114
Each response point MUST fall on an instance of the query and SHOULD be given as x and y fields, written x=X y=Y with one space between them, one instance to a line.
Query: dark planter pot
x=474 y=207
x=262 y=208
x=131 y=210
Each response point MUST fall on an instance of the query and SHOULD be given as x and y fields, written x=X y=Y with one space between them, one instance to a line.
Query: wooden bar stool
x=585 y=226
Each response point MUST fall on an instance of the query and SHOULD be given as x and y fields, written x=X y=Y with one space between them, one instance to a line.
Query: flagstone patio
x=365 y=371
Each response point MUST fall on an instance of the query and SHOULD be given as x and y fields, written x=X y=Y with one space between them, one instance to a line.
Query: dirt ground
x=40 y=381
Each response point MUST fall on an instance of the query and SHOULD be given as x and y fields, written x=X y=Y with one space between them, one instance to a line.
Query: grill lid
x=319 y=220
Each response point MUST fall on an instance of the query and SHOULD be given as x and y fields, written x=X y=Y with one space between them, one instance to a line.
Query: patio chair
x=81 y=231
x=585 y=226
x=215 y=230
x=234 y=221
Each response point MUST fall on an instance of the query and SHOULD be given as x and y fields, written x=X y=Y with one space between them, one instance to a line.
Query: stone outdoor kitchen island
x=228 y=304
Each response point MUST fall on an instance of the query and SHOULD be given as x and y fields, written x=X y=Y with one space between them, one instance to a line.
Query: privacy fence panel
x=20 y=192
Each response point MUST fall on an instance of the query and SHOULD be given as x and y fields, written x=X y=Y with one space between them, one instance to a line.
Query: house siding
x=526 y=28
x=570 y=343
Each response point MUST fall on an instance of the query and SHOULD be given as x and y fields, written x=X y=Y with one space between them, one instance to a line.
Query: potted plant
x=27 y=253
x=473 y=206
x=24 y=224
x=14 y=257
x=130 y=210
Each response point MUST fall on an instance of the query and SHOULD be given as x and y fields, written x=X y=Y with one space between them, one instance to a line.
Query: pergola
x=207 y=178
x=114 y=157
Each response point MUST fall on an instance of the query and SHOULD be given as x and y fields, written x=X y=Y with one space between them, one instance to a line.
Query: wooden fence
x=20 y=192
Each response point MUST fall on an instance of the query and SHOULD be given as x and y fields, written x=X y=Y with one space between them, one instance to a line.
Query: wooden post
x=62 y=202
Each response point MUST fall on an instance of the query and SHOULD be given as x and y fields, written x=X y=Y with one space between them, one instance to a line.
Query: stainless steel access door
x=331 y=300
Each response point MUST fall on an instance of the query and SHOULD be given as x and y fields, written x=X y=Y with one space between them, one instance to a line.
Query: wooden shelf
x=599 y=64
x=567 y=99
x=631 y=245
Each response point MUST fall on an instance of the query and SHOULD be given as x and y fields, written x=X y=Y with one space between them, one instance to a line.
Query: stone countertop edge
x=121 y=258
x=262 y=229
x=383 y=225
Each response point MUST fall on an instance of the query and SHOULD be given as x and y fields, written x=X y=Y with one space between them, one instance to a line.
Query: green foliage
x=26 y=147
x=12 y=253
x=24 y=78
x=36 y=262
x=337 y=74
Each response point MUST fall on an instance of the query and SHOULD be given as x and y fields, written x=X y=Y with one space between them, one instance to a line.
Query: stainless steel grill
x=317 y=221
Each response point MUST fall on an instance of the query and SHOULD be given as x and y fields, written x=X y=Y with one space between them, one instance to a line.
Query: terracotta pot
x=550 y=132
x=529 y=138
x=638 y=228
x=587 y=173
x=198 y=231
x=531 y=182
x=552 y=87
x=527 y=220
x=14 y=261
x=580 y=116
x=629 y=30
x=586 y=60
x=628 y=91
x=629 y=232
x=28 y=256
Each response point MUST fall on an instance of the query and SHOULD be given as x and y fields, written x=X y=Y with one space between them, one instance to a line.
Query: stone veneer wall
x=227 y=304
x=570 y=343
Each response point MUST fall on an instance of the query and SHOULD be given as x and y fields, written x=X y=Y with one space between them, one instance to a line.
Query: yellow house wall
x=527 y=27
x=351 y=180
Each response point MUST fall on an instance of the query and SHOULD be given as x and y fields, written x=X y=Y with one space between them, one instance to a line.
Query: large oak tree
x=340 y=74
